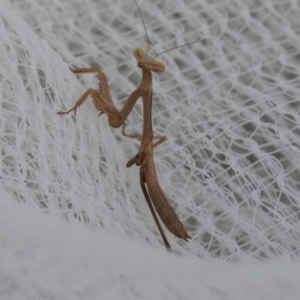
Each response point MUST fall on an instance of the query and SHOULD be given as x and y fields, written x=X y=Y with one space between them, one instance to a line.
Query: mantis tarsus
x=103 y=102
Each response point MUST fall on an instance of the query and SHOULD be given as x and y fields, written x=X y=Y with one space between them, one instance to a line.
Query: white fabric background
x=74 y=222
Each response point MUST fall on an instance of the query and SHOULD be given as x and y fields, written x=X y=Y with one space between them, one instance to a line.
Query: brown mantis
x=103 y=102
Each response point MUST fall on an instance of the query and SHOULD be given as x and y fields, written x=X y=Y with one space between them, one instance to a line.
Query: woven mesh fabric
x=229 y=107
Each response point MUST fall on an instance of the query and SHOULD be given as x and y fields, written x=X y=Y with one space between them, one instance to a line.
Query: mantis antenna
x=147 y=38
x=148 y=41
x=198 y=41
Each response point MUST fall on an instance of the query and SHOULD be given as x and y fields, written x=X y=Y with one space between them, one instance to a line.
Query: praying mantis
x=154 y=195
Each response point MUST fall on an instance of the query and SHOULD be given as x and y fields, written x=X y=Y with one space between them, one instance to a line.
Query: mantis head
x=144 y=61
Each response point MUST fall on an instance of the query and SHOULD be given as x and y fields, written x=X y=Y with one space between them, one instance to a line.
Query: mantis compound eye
x=144 y=61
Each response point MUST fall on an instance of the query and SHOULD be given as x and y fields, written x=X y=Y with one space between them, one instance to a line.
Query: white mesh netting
x=229 y=107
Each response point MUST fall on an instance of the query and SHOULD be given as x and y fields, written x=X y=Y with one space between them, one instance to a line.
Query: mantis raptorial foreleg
x=103 y=101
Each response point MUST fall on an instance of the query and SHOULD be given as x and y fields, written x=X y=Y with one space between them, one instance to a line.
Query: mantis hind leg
x=144 y=189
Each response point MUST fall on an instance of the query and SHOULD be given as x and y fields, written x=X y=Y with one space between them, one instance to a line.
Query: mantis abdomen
x=162 y=205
